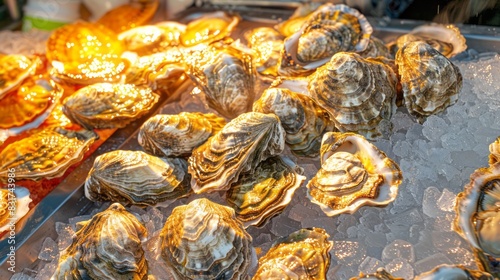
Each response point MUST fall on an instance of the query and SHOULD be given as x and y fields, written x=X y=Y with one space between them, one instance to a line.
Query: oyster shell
x=266 y=192
x=454 y=272
x=204 y=240
x=178 y=135
x=299 y=16
x=380 y=274
x=14 y=69
x=106 y=105
x=134 y=177
x=14 y=204
x=266 y=44
x=208 y=28
x=303 y=120
x=238 y=148
x=303 y=254
x=106 y=247
x=353 y=173
x=125 y=17
x=494 y=151
x=359 y=94
x=430 y=81
x=150 y=39
x=375 y=48
x=46 y=154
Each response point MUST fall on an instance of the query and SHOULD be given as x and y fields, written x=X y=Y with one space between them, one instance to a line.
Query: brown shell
x=375 y=48
x=266 y=44
x=494 y=152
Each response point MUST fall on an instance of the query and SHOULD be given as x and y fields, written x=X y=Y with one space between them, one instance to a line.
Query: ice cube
x=400 y=268
x=349 y=253
x=429 y=202
x=462 y=256
x=369 y=265
x=65 y=235
x=430 y=262
x=398 y=249
x=49 y=250
x=444 y=241
x=446 y=201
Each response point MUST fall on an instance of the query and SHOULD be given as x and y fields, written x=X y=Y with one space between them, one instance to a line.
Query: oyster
x=430 y=81
x=46 y=154
x=266 y=192
x=128 y=16
x=238 y=148
x=375 y=48
x=380 y=274
x=359 y=94
x=453 y=272
x=266 y=44
x=204 y=240
x=178 y=135
x=150 y=39
x=494 y=151
x=14 y=204
x=303 y=120
x=14 y=69
x=208 y=28
x=299 y=16
x=134 y=177
x=353 y=173
x=303 y=254
x=106 y=105
x=109 y=246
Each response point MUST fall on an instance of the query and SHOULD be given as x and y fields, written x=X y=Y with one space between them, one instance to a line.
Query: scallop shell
x=304 y=121
x=178 y=135
x=46 y=154
x=266 y=44
x=238 y=148
x=128 y=16
x=108 y=247
x=14 y=204
x=106 y=105
x=208 y=28
x=430 y=81
x=303 y=254
x=204 y=240
x=14 y=69
x=359 y=94
x=494 y=151
x=150 y=39
x=353 y=173
x=134 y=177
x=258 y=196
x=454 y=272
x=380 y=274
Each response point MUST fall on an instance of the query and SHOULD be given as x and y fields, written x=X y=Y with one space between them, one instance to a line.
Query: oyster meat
x=204 y=240
x=238 y=148
x=14 y=204
x=107 y=247
x=208 y=28
x=455 y=272
x=266 y=44
x=178 y=135
x=14 y=69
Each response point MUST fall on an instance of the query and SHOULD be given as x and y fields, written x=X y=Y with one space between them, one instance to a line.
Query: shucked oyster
x=208 y=28
x=303 y=254
x=204 y=240
x=106 y=247
x=238 y=148
x=14 y=69
x=266 y=44
x=134 y=177
x=14 y=204
x=451 y=272
x=178 y=135
x=353 y=173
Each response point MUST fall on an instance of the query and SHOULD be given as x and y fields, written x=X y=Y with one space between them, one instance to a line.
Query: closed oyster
x=46 y=154
x=303 y=120
x=494 y=152
x=109 y=246
x=353 y=173
x=204 y=240
x=265 y=193
x=106 y=105
x=178 y=135
x=380 y=274
x=14 y=69
x=130 y=15
x=226 y=75
x=266 y=44
x=303 y=254
x=430 y=81
x=454 y=272
x=375 y=48
x=14 y=204
x=208 y=28
x=238 y=148
x=150 y=39
x=359 y=94
x=134 y=177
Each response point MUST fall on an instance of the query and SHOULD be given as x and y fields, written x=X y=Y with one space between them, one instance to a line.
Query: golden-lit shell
x=303 y=254
x=46 y=154
x=494 y=152
x=150 y=39
x=430 y=81
x=359 y=94
x=299 y=16
x=178 y=135
x=14 y=204
x=238 y=148
x=457 y=272
x=266 y=191
x=353 y=173
x=380 y=274
x=14 y=69
x=134 y=177
x=204 y=240
x=208 y=28
x=107 y=247
x=304 y=121
x=106 y=105
x=375 y=48
x=266 y=44
x=133 y=14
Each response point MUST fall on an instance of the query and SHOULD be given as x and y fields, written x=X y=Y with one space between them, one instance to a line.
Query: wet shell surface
x=430 y=81
x=204 y=240
x=107 y=105
x=353 y=173
x=299 y=16
x=238 y=148
x=208 y=28
x=359 y=94
x=178 y=135
x=128 y=16
x=14 y=69
x=46 y=154
x=494 y=152
x=266 y=192
x=375 y=48
x=303 y=254
x=266 y=44
x=134 y=177
x=150 y=39
x=456 y=272
x=14 y=204
x=304 y=121
x=108 y=246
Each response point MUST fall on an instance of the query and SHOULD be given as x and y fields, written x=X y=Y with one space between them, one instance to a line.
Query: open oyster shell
x=14 y=69
x=380 y=274
x=46 y=154
x=299 y=16
x=204 y=240
x=14 y=204
x=208 y=28
x=238 y=148
x=106 y=105
x=353 y=173
x=134 y=177
x=150 y=39
x=178 y=135
x=454 y=272
x=127 y=16
x=266 y=44
x=258 y=196
x=109 y=246
x=494 y=148
x=303 y=254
